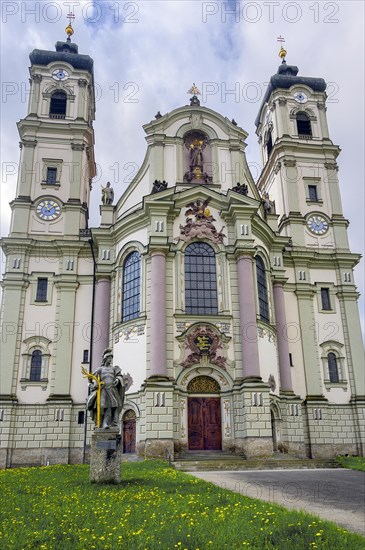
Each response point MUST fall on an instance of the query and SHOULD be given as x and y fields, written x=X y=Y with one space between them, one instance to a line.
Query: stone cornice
x=314 y=258
x=301 y=151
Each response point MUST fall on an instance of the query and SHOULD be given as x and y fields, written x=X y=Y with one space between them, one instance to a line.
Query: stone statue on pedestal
x=108 y=391
x=107 y=194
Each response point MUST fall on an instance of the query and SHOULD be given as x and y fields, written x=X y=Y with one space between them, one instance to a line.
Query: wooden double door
x=204 y=424
x=129 y=436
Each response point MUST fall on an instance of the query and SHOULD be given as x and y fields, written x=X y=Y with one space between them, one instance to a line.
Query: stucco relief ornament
x=203 y=341
x=202 y=226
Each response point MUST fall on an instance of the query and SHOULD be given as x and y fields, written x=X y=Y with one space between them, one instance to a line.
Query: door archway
x=129 y=432
x=204 y=415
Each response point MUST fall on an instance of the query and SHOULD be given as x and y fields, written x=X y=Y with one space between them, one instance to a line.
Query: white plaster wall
x=81 y=341
x=142 y=189
x=268 y=360
x=170 y=174
x=225 y=167
x=173 y=128
x=295 y=344
x=130 y=355
x=33 y=395
x=140 y=236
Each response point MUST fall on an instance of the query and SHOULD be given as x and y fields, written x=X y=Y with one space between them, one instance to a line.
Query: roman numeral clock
x=48 y=209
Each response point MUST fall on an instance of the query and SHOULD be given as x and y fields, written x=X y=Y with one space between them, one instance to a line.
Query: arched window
x=131 y=287
x=36 y=366
x=58 y=105
x=332 y=368
x=262 y=289
x=200 y=280
x=269 y=143
x=303 y=124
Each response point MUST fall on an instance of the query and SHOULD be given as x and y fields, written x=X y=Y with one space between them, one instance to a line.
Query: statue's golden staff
x=98 y=392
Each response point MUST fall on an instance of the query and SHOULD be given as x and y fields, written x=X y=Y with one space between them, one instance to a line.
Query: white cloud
x=157 y=49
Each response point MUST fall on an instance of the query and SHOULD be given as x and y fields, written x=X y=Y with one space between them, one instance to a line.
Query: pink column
x=283 y=347
x=158 y=314
x=249 y=343
x=101 y=320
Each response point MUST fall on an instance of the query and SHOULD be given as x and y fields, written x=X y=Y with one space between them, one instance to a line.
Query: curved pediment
x=188 y=147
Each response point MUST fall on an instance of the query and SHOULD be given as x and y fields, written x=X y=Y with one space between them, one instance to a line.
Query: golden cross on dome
x=69 y=30
x=282 y=52
x=194 y=90
x=70 y=16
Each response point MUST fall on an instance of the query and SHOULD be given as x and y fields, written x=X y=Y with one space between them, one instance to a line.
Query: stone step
x=239 y=463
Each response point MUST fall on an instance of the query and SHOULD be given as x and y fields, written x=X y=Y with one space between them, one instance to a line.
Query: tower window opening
x=51 y=175
x=332 y=368
x=312 y=193
x=269 y=144
x=42 y=286
x=304 y=125
x=36 y=366
x=58 y=105
x=325 y=297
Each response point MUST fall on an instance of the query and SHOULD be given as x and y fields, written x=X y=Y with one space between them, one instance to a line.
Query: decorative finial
x=69 y=30
x=282 y=52
x=194 y=90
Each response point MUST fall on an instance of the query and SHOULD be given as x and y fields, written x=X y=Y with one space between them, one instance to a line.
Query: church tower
x=301 y=175
x=48 y=277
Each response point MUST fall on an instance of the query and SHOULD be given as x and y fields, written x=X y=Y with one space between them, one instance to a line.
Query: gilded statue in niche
x=195 y=143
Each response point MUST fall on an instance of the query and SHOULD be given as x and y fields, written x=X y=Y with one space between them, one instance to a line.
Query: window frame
x=51 y=170
x=35 y=373
x=331 y=294
x=41 y=293
x=336 y=349
x=136 y=297
x=325 y=299
x=58 y=115
x=203 y=300
x=35 y=344
x=262 y=287
x=306 y=120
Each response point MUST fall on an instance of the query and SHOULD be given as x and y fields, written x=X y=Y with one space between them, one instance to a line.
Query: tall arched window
x=262 y=289
x=303 y=124
x=200 y=280
x=268 y=143
x=332 y=368
x=58 y=105
x=36 y=366
x=131 y=287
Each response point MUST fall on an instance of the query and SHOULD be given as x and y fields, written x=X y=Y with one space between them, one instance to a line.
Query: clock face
x=300 y=97
x=48 y=209
x=60 y=74
x=317 y=224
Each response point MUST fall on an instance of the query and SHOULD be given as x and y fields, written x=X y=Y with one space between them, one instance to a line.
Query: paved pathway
x=335 y=495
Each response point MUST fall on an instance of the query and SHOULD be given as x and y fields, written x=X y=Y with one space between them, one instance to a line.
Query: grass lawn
x=56 y=507
x=352 y=462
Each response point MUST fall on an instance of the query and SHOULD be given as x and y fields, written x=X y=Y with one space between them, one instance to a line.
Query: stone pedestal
x=106 y=456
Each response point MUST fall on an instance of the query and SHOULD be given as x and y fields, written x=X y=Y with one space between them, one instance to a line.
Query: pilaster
x=249 y=340
x=309 y=341
x=65 y=320
x=282 y=340
x=101 y=319
x=158 y=314
x=11 y=321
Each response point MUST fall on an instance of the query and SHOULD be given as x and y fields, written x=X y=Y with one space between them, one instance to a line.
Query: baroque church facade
x=230 y=306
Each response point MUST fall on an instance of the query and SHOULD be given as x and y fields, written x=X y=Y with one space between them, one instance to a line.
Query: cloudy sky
x=147 y=54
